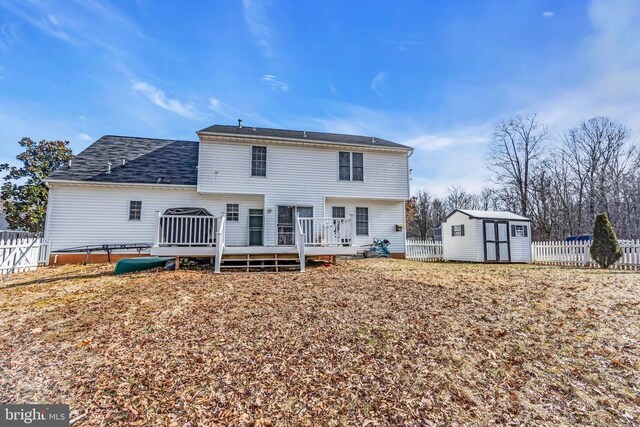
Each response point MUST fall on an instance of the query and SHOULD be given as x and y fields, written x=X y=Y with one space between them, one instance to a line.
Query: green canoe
x=129 y=265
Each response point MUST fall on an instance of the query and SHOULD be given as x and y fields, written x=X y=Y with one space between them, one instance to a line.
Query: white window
x=233 y=212
x=350 y=166
x=519 y=231
x=135 y=210
x=338 y=212
x=258 y=161
x=457 y=230
x=362 y=221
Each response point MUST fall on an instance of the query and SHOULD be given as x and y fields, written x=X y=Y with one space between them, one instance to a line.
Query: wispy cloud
x=548 y=14
x=9 y=35
x=256 y=17
x=84 y=137
x=612 y=63
x=79 y=23
x=222 y=109
x=159 y=98
x=378 y=80
x=274 y=83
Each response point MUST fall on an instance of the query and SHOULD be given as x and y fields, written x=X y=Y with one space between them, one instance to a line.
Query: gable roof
x=490 y=215
x=147 y=161
x=303 y=136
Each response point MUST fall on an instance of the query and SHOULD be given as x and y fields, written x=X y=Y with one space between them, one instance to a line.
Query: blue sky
x=437 y=75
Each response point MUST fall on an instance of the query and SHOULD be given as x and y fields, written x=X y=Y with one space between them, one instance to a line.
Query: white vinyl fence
x=578 y=254
x=22 y=254
x=423 y=250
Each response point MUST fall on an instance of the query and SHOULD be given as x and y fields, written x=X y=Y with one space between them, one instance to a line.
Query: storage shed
x=486 y=236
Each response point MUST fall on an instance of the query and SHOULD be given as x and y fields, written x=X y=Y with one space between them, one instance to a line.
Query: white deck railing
x=186 y=230
x=300 y=243
x=221 y=232
x=328 y=231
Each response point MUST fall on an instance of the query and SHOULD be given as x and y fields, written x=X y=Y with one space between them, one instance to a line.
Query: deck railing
x=186 y=230
x=221 y=232
x=328 y=231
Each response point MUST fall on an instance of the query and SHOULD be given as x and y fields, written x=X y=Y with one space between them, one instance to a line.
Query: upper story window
x=135 y=210
x=519 y=231
x=233 y=212
x=351 y=166
x=258 y=161
x=457 y=230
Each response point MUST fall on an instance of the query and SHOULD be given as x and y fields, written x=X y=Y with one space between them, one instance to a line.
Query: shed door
x=496 y=241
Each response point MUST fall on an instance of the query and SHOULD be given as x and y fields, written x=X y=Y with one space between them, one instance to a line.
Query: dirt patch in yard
x=374 y=342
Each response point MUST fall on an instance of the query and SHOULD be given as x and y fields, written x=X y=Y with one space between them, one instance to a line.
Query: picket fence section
x=423 y=250
x=579 y=254
x=22 y=254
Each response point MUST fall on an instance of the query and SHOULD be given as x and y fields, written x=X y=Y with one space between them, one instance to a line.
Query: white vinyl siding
x=520 y=246
x=470 y=247
x=384 y=215
x=293 y=170
x=461 y=248
x=96 y=214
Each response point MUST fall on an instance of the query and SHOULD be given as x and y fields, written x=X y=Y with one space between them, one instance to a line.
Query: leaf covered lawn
x=372 y=342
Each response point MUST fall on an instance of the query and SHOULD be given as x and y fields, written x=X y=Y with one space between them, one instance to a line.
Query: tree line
x=560 y=182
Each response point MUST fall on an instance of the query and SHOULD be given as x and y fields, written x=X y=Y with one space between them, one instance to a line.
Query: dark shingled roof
x=336 y=138
x=147 y=160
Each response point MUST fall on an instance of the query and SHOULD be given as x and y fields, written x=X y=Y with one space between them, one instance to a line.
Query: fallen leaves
x=374 y=342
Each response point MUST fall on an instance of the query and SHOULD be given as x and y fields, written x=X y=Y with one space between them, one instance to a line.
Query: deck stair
x=276 y=262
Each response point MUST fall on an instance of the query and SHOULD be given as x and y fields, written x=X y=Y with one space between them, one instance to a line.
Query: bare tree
x=599 y=156
x=516 y=148
x=425 y=213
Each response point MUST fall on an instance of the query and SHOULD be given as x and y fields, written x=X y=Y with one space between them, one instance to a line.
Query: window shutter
x=462 y=230
x=525 y=231
x=513 y=230
x=452 y=231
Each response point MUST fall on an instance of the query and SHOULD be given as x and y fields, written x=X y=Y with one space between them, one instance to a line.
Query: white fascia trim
x=306 y=142
x=119 y=184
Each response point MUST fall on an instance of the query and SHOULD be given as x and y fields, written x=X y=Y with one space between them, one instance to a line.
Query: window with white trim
x=457 y=230
x=362 y=221
x=345 y=165
x=135 y=210
x=258 y=161
x=350 y=166
x=338 y=212
x=233 y=212
x=519 y=231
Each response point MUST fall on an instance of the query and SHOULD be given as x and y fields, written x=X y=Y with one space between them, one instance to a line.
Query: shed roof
x=147 y=161
x=490 y=215
x=303 y=136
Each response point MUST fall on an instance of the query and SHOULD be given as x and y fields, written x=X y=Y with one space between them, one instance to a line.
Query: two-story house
x=237 y=191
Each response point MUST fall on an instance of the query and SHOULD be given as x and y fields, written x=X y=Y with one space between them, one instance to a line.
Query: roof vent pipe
x=304 y=134
x=69 y=162
x=124 y=162
x=240 y=123
x=108 y=168
x=373 y=139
